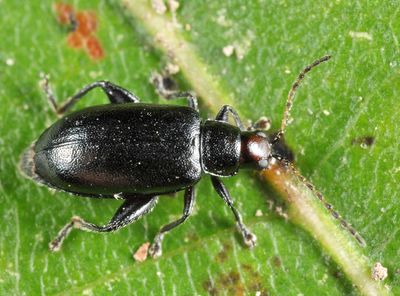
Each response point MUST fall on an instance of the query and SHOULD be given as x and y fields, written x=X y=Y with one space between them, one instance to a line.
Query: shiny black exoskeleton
x=136 y=152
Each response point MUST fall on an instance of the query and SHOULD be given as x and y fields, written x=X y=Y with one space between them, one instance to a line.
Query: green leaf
x=353 y=96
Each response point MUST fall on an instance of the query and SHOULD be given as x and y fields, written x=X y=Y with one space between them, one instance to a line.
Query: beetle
x=136 y=152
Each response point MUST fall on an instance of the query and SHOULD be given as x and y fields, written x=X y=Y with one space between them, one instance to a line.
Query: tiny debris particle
x=10 y=62
x=188 y=27
x=379 y=273
x=141 y=253
x=326 y=112
x=361 y=35
x=259 y=213
x=173 y=5
x=159 y=6
x=228 y=50
x=364 y=141
x=280 y=212
x=270 y=204
x=172 y=69
x=87 y=292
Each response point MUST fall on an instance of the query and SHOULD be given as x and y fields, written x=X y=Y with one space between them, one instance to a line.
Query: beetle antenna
x=292 y=92
x=328 y=206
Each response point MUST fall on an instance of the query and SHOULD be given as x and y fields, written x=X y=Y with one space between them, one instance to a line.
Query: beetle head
x=256 y=150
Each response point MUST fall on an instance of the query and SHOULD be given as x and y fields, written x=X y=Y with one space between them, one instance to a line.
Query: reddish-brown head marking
x=255 y=150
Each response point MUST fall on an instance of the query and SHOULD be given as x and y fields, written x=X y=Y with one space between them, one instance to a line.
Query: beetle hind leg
x=189 y=200
x=131 y=210
x=248 y=237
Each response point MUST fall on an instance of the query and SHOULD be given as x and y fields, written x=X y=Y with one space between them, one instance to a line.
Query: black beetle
x=136 y=152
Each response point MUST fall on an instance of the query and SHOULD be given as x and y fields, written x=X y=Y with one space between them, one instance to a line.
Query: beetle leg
x=223 y=116
x=131 y=210
x=115 y=93
x=189 y=199
x=249 y=238
x=192 y=99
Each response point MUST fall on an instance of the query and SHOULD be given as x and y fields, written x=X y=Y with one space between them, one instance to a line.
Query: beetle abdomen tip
x=27 y=164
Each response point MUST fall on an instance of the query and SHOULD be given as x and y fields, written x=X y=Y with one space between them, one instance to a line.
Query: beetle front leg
x=223 y=116
x=115 y=93
x=130 y=211
x=248 y=237
x=189 y=199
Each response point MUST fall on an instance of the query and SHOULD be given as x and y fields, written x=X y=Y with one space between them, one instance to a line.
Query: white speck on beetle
x=360 y=35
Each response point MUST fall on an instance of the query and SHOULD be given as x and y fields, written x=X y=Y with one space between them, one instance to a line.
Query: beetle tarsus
x=55 y=245
x=155 y=249
x=189 y=200
x=249 y=238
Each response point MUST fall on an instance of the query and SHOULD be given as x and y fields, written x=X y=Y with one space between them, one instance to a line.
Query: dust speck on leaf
x=10 y=62
x=229 y=283
x=361 y=35
x=379 y=272
x=228 y=50
x=223 y=255
x=141 y=253
x=159 y=6
x=326 y=112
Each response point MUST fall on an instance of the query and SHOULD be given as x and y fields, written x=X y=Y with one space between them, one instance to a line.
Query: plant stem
x=305 y=209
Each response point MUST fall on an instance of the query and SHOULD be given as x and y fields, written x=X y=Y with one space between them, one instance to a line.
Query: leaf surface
x=354 y=96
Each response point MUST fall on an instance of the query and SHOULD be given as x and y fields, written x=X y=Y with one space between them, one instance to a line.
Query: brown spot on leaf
x=224 y=253
x=232 y=283
x=277 y=262
x=229 y=284
x=83 y=25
